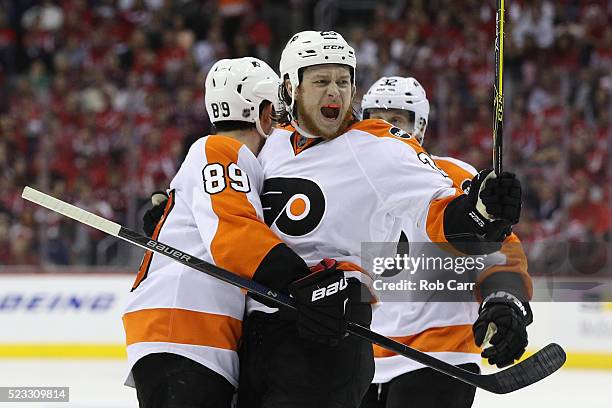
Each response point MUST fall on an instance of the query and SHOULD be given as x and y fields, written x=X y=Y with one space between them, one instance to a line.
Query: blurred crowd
x=101 y=98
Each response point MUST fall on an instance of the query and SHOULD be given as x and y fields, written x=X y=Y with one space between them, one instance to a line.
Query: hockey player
x=183 y=327
x=444 y=329
x=332 y=183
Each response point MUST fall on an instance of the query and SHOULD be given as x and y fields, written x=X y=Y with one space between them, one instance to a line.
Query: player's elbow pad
x=279 y=268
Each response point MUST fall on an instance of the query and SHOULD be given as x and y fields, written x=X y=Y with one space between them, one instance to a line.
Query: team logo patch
x=294 y=205
x=397 y=132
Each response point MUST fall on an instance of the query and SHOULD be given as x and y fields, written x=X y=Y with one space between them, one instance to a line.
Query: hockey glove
x=499 y=197
x=486 y=214
x=155 y=213
x=501 y=328
x=323 y=304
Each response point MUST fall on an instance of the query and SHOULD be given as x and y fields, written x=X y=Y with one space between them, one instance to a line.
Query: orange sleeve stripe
x=238 y=225
x=516 y=262
x=183 y=327
x=349 y=266
x=143 y=271
x=455 y=172
x=435 y=218
x=458 y=339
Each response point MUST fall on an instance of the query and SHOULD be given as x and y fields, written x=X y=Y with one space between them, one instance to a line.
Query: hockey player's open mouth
x=330 y=111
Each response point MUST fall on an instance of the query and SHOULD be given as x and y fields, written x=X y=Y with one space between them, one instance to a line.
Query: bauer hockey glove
x=323 y=303
x=478 y=222
x=501 y=328
x=155 y=213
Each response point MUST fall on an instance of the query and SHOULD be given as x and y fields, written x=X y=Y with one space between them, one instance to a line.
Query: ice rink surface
x=99 y=384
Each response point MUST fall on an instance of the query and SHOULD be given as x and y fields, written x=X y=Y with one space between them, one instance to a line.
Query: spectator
x=101 y=99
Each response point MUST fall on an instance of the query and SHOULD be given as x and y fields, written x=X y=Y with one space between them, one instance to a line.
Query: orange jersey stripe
x=516 y=262
x=459 y=339
x=183 y=327
x=238 y=225
x=458 y=174
x=435 y=218
x=143 y=271
x=349 y=266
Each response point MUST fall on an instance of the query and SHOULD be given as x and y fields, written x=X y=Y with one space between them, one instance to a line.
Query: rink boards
x=78 y=315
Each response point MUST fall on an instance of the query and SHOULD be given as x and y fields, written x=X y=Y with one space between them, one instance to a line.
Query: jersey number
x=426 y=159
x=214 y=178
x=221 y=109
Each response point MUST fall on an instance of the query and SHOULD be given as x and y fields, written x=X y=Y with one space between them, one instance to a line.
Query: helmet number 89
x=221 y=109
x=214 y=178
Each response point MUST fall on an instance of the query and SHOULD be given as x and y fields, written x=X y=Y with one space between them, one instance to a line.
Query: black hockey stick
x=540 y=365
x=498 y=86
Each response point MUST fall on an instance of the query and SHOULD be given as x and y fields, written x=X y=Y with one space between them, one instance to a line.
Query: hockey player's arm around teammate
x=228 y=209
x=182 y=327
x=322 y=319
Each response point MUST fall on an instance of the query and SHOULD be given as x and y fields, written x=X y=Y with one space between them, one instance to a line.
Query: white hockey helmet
x=236 y=87
x=308 y=48
x=405 y=94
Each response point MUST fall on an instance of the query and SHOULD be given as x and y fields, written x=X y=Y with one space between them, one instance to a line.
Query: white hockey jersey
x=325 y=198
x=441 y=329
x=214 y=212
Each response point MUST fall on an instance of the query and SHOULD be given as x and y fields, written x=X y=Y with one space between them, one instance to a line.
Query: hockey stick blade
x=533 y=369
x=540 y=365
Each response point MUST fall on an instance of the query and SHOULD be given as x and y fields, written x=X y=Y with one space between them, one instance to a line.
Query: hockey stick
x=498 y=98
x=540 y=365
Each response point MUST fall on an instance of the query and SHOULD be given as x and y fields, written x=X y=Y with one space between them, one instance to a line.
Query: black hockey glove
x=485 y=215
x=323 y=303
x=501 y=328
x=151 y=218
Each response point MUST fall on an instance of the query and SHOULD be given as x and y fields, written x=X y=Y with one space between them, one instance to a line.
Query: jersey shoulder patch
x=383 y=129
x=380 y=128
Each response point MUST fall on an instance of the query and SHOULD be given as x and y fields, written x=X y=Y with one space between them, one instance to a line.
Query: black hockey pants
x=424 y=388
x=165 y=380
x=278 y=369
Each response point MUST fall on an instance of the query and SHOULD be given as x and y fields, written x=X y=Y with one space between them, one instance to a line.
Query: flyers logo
x=294 y=205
